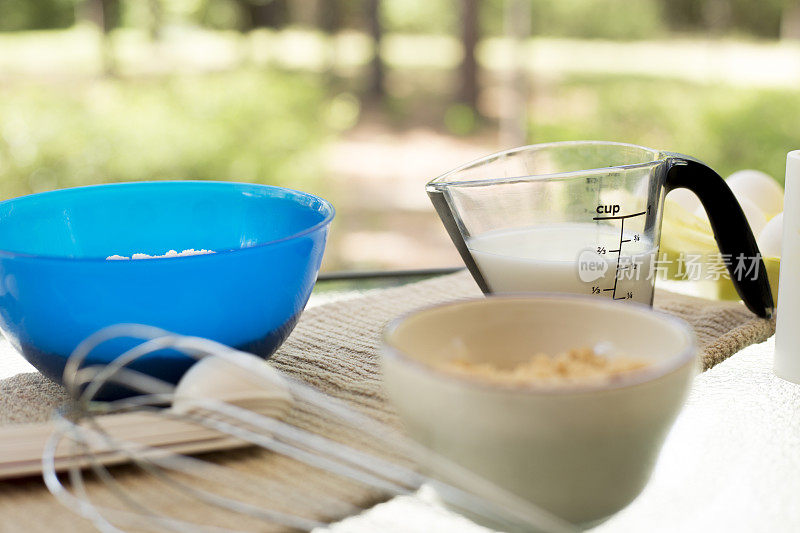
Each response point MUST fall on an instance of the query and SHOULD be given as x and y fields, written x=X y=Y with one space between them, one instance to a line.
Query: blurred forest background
x=363 y=101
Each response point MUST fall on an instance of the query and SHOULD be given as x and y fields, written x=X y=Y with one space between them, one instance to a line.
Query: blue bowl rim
x=331 y=212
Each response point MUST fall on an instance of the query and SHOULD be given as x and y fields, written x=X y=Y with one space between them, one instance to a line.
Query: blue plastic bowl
x=57 y=288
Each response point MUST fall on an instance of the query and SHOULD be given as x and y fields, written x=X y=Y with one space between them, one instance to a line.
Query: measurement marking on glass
x=618 y=217
x=618 y=251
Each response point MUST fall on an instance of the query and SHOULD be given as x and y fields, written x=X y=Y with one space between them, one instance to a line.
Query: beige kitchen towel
x=334 y=348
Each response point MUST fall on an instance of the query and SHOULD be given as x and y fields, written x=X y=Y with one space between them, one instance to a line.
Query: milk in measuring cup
x=547 y=259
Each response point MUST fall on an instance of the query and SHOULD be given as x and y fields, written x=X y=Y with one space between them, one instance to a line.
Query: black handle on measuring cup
x=731 y=230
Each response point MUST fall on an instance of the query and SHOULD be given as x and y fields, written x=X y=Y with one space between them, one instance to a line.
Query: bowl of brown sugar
x=564 y=400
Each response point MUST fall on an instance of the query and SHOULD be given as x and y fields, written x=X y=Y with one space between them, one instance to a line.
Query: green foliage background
x=259 y=126
x=729 y=128
x=16 y=15
x=269 y=125
x=615 y=19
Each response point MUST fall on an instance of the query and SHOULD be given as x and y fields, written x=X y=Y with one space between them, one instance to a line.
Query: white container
x=581 y=451
x=787 y=335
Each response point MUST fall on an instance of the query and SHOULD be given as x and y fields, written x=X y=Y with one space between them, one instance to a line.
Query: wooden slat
x=21 y=447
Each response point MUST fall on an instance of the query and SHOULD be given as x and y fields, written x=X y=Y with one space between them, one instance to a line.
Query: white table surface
x=730 y=464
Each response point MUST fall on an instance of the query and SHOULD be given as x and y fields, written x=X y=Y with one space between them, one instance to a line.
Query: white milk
x=547 y=259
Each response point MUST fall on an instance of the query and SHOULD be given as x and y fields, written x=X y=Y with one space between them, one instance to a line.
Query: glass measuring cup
x=585 y=217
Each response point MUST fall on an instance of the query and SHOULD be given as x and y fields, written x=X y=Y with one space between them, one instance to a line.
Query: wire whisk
x=238 y=446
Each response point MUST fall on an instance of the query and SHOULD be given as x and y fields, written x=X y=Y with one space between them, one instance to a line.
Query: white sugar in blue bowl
x=57 y=286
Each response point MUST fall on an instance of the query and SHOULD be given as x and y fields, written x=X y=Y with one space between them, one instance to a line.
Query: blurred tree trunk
x=329 y=20
x=106 y=15
x=377 y=83
x=267 y=14
x=329 y=16
x=514 y=106
x=682 y=15
x=468 y=72
x=111 y=12
x=156 y=19
x=717 y=15
x=790 y=21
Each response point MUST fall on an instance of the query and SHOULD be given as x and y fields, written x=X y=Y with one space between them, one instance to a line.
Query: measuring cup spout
x=732 y=232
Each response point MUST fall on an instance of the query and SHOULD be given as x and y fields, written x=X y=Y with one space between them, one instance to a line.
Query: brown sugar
x=576 y=365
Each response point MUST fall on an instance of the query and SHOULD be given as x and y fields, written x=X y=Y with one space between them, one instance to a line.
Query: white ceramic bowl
x=581 y=451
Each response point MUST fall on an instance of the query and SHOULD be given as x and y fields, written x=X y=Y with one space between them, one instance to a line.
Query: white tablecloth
x=731 y=464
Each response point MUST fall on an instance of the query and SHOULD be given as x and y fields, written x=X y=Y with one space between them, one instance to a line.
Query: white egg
x=755 y=217
x=771 y=237
x=685 y=198
x=759 y=188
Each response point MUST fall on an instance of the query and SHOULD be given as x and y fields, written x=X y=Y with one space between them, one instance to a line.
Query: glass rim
x=445 y=180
